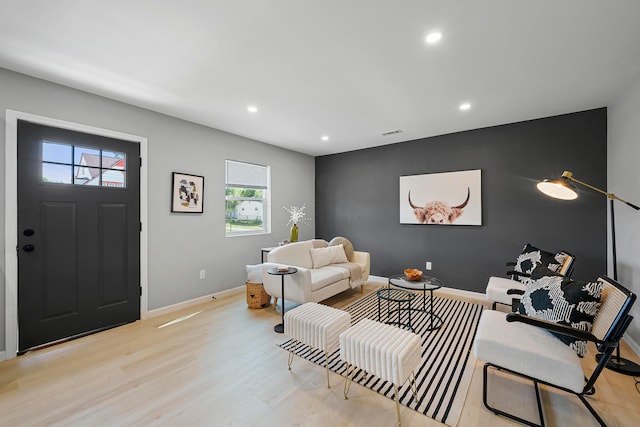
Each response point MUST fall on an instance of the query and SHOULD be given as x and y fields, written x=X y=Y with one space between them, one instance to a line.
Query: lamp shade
x=558 y=189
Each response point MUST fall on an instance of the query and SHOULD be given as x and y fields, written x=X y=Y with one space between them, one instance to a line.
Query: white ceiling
x=349 y=69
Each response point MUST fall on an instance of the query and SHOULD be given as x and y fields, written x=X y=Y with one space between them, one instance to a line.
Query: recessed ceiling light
x=252 y=109
x=433 y=37
x=324 y=138
x=464 y=106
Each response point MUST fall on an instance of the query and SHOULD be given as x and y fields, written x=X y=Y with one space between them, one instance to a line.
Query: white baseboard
x=379 y=280
x=3 y=356
x=196 y=301
x=372 y=280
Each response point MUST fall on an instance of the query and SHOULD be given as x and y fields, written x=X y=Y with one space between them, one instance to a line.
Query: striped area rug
x=444 y=376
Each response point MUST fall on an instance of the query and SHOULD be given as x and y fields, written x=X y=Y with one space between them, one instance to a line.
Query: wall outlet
x=428 y=265
x=201 y=274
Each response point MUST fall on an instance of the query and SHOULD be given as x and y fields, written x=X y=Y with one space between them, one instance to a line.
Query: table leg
x=279 y=328
x=424 y=297
x=431 y=305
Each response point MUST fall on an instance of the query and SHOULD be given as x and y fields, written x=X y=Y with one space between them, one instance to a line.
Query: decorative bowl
x=412 y=274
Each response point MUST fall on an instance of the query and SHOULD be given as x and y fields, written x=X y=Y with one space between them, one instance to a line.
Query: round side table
x=279 y=328
x=426 y=284
x=400 y=297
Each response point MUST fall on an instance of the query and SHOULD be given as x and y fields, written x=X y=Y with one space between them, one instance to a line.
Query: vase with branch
x=296 y=215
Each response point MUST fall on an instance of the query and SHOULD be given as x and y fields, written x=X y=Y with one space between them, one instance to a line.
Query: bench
x=317 y=326
x=386 y=351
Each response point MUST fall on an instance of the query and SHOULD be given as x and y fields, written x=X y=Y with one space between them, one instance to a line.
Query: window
x=247 y=198
x=71 y=164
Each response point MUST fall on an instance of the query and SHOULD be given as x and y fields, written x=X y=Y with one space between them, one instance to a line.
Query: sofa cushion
x=320 y=257
x=295 y=254
x=346 y=244
x=325 y=276
x=526 y=349
x=330 y=255
x=566 y=302
x=338 y=254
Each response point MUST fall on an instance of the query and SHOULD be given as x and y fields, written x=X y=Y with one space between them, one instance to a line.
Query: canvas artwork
x=186 y=193
x=450 y=198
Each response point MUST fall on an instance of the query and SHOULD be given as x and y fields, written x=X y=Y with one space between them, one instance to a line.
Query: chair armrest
x=297 y=286
x=364 y=259
x=561 y=329
x=517 y=273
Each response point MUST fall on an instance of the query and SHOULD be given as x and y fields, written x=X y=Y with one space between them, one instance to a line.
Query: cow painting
x=437 y=211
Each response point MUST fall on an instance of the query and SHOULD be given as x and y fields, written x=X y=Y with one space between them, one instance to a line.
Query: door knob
x=28 y=248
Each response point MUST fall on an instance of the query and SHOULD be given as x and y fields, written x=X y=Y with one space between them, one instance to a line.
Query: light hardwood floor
x=220 y=366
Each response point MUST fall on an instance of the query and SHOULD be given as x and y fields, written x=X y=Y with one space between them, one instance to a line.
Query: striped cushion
x=382 y=350
x=316 y=325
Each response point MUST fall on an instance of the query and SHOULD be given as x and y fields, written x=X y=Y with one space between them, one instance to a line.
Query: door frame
x=11 y=214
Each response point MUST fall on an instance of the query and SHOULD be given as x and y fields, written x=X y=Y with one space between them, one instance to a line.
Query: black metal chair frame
x=605 y=346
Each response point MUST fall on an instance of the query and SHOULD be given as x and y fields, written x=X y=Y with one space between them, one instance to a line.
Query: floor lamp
x=564 y=189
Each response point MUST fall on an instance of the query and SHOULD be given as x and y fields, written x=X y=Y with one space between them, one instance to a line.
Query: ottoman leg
x=348 y=379
x=395 y=391
x=414 y=388
x=326 y=362
x=291 y=354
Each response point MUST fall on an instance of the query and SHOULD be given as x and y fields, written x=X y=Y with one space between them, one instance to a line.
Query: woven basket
x=256 y=296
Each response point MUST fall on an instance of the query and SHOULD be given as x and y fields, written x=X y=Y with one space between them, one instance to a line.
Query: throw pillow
x=319 y=243
x=320 y=257
x=562 y=300
x=338 y=254
x=532 y=257
x=348 y=247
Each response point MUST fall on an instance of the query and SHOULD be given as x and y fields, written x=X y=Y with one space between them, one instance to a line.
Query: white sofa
x=313 y=282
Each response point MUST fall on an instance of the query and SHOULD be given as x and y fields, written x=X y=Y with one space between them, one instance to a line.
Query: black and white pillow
x=531 y=257
x=564 y=301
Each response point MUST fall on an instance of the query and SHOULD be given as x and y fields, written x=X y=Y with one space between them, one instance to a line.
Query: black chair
x=519 y=345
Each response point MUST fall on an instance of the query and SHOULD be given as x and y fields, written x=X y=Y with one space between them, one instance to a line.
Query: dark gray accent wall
x=357 y=197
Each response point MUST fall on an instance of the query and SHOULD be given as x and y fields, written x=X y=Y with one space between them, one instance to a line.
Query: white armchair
x=521 y=346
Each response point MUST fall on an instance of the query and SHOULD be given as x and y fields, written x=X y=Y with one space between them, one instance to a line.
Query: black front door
x=78 y=233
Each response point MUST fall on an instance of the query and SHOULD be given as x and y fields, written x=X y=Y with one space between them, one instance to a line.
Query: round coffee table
x=400 y=297
x=279 y=328
x=425 y=284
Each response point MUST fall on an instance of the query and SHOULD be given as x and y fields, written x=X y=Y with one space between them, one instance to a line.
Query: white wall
x=624 y=181
x=180 y=245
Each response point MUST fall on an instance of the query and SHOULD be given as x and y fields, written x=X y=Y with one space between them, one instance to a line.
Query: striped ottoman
x=318 y=326
x=391 y=353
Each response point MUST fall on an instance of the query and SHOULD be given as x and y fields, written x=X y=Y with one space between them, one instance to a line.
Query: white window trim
x=266 y=221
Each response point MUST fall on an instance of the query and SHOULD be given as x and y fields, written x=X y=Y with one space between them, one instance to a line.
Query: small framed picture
x=187 y=193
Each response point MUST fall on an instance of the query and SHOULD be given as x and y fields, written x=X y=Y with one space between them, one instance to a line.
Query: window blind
x=246 y=175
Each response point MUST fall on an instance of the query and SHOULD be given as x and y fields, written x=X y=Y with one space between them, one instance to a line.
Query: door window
x=74 y=164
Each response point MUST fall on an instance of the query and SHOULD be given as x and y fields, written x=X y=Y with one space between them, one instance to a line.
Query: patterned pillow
x=532 y=257
x=567 y=302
